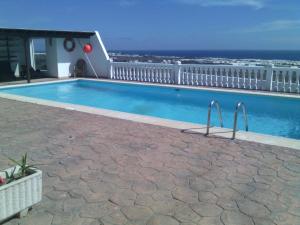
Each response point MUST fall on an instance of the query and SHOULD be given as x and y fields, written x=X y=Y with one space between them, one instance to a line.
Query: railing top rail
x=142 y=63
x=249 y=67
x=220 y=65
x=286 y=69
x=190 y=65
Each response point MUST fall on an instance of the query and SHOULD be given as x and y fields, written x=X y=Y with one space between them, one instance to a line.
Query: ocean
x=292 y=55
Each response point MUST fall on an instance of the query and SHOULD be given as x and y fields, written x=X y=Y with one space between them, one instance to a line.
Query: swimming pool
x=279 y=116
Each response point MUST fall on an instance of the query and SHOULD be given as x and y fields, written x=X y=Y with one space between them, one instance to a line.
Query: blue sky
x=166 y=24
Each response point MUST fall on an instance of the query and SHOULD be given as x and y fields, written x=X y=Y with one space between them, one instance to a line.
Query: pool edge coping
x=193 y=127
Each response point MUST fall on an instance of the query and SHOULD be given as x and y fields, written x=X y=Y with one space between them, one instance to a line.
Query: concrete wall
x=61 y=63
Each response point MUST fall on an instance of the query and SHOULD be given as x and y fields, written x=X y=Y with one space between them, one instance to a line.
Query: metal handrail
x=217 y=105
x=238 y=105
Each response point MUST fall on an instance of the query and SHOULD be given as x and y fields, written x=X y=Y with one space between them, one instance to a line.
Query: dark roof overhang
x=32 y=33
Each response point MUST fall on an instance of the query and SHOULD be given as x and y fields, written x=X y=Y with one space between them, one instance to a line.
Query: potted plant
x=20 y=189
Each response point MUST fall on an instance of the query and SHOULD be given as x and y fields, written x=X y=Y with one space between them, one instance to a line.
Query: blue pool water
x=278 y=116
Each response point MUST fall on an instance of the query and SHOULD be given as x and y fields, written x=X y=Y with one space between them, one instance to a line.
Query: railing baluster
x=152 y=74
x=277 y=81
x=298 y=82
x=290 y=81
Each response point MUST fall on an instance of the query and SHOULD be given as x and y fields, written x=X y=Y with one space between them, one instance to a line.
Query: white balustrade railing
x=286 y=80
x=253 y=78
x=144 y=72
x=267 y=78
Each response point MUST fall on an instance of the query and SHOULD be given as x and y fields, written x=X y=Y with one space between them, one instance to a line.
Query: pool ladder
x=238 y=106
x=218 y=107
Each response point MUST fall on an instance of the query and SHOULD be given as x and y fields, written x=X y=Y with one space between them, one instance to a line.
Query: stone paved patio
x=99 y=170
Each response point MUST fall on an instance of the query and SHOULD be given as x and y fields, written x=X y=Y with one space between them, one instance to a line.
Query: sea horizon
x=292 y=55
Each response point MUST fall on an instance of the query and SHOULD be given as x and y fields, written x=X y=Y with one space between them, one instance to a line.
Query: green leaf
x=24 y=168
x=14 y=161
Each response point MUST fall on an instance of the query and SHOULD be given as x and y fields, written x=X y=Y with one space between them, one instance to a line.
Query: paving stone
x=13 y=221
x=185 y=195
x=137 y=213
x=285 y=218
x=98 y=210
x=187 y=223
x=266 y=172
x=289 y=196
x=253 y=209
x=89 y=196
x=186 y=214
x=261 y=221
x=73 y=205
x=144 y=187
x=293 y=166
x=200 y=184
x=162 y=220
x=162 y=195
x=235 y=218
x=116 y=218
x=287 y=175
x=123 y=198
x=295 y=211
x=37 y=219
x=57 y=195
x=264 y=196
x=63 y=218
x=243 y=189
x=85 y=221
x=227 y=204
x=144 y=200
x=227 y=192
x=211 y=221
x=49 y=206
x=206 y=209
x=164 y=207
x=164 y=181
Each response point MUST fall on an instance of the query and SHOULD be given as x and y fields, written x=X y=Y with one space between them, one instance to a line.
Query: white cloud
x=257 y=4
x=276 y=25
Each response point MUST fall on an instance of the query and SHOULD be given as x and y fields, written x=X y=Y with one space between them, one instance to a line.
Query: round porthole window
x=69 y=44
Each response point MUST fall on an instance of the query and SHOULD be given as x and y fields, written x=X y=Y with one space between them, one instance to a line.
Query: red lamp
x=87 y=48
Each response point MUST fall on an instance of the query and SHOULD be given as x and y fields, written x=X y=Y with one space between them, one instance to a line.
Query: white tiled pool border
x=192 y=127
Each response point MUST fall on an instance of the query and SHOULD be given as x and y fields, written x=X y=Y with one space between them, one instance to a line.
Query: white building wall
x=61 y=63
x=65 y=59
x=99 y=57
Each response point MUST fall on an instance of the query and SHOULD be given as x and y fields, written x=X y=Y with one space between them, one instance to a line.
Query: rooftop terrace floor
x=36 y=80
x=99 y=170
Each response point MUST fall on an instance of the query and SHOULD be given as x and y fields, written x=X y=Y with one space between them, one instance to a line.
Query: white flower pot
x=20 y=195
